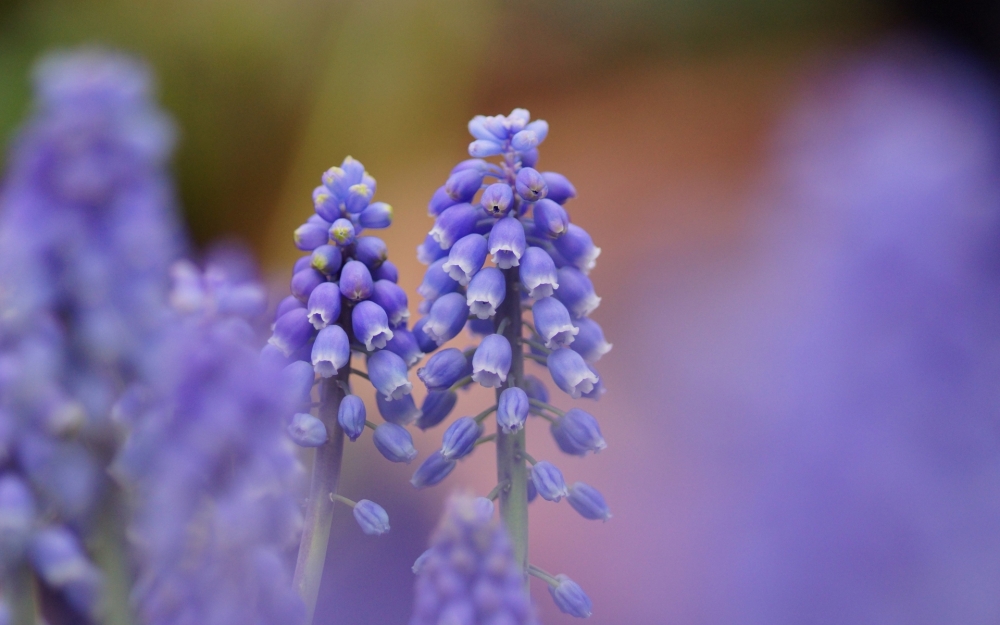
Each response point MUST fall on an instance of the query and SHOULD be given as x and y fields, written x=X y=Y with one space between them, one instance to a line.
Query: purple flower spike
x=486 y=291
x=306 y=430
x=371 y=325
x=447 y=318
x=372 y=517
x=331 y=351
x=432 y=470
x=590 y=341
x=512 y=409
x=436 y=408
x=292 y=331
x=460 y=438
x=571 y=373
x=553 y=323
x=538 y=273
x=507 y=242
x=577 y=433
x=454 y=223
x=577 y=248
x=465 y=258
x=402 y=411
x=491 y=361
x=497 y=199
x=444 y=369
x=530 y=185
x=551 y=220
x=560 y=188
x=394 y=443
x=549 y=481
x=351 y=416
x=463 y=185
x=570 y=598
x=588 y=502
x=356 y=281
x=324 y=305
x=388 y=375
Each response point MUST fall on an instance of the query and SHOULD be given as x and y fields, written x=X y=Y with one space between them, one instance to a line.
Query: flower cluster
x=87 y=232
x=469 y=575
x=214 y=477
x=509 y=214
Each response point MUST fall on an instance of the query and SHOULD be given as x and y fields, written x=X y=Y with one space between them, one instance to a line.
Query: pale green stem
x=319 y=510
x=111 y=555
x=21 y=594
x=511 y=469
x=542 y=575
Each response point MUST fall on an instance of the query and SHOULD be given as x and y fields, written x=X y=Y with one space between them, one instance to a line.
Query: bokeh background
x=798 y=205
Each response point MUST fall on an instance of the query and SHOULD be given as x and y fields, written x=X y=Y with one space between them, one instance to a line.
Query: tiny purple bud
x=429 y=251
x=354 y=169
x=326 y=259
x=530 y=185
x=351 y=416
x=576 y=292
x=324 y=305
x=388 y=374
x=577 y=248
x=560 y=188
x=483 y=507
x=454 y=223
x=512 y=409
x=378 y=215
x=404 y=344
x=291 y=331
x=487 y=128
x=306 y=430
x=297 y=381
x=302 y=263
x=447 y=318
x=326 y=204
x=497 y=199
x=394 y=442
x=372 y=518
x=358 y=197
x=463 y=185
x=432 y=470
x=331 y=351
x=342 y=231
x=540 y=127
x=524 y=141
x=402 y=411
x=589 y=502
x=507 y=242
x=444 y=369
x=355 y=281
x=590 y=341
x=336 y=180
x=571 y=373
x=538 y=273
x=482 y=148
x=570 y=598
x=437 y=282
x=466 y=258
x=436 y=407
x=553 y=323
x=460 y=438
x=485 y=292
x=372 y=251
x=305 y=281
x=491 y=361
x=535 y=389
x=517 y=120
x=310 y=236
x=287 y=304
x=548 y=480
x=371 y=325
x=386 y=271
x=529 y=157
x=577 y=432
x=439 y=201
x=551 y=219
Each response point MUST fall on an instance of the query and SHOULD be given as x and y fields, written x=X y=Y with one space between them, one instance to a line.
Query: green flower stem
x=540 y=404
x=22 y=597
x=482 y=415
x=319 y=511
x=511 y=469
x=457 y=385
x=539 y=346
x=486 y=439
x=360 y=374
x=539 y=359
x=342 y=499
x=111 y=555
x=542 y=575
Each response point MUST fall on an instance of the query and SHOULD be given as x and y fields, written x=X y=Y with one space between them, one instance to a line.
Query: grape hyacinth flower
x=351 y=307
x=470 y=574
x=88 y=229
x=503 y=244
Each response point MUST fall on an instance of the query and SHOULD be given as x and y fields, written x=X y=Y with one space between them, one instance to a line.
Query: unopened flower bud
x=551 y=220
x=571 y=373
x=372 y=517
x=436 y=408
x=512 y=409
x=578 y=248
x=372 y=251
x=447 y=317
x=306 y=430
x=351 y=416
x=355 y=281
x=402 y=411
x=310 y=236
x=560 y=188
x=444 y=369
x=530 y=185
x=570 y=598
x=305 y=281
x=460 y=438
x=378 y=215
x=497 y=199
x=388 y=374
x=432 y=470
x=577 y=432
x=395 y=443
x=326 y=259
x=548 y=480
x=454 y=223
x=342 y=231
x=463 y=185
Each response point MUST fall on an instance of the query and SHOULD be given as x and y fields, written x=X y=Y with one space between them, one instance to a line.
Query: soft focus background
x=799 y=208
